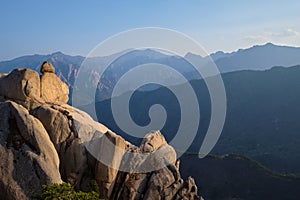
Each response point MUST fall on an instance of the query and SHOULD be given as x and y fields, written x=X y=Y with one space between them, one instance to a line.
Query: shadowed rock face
x=45 y=141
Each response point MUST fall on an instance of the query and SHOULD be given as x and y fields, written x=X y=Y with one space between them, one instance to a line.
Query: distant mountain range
x=67 y=67
x=262 y=115
x=259 y=57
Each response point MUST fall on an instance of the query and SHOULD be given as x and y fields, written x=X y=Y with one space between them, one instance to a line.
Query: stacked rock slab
x=52 y=88
x=44 y=141
x=25 y=85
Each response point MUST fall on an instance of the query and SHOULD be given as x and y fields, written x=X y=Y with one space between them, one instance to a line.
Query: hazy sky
x=76 y=27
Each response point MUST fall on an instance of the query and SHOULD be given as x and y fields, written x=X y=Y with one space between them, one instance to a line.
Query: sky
x=75 y=27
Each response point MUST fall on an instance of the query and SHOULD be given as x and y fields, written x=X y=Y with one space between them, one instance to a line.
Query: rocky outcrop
x=53 y=89
x=28 y=157
x=26 y=85
x=106 y=173
x=164 y=182
x=20 y=84
x=49 y=141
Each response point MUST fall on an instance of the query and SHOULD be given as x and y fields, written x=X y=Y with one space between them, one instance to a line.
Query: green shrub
x=65 y=191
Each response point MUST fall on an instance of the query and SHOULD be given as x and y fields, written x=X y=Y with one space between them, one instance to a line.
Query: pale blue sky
x=76 y=27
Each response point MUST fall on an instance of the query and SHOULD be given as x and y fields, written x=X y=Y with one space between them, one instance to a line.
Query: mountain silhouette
x=261 y=121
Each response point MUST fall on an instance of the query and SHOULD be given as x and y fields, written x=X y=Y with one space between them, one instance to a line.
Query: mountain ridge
x=215 y=56
x=258 y=57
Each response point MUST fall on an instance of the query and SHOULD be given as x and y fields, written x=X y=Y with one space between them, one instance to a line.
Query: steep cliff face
x=44 y=141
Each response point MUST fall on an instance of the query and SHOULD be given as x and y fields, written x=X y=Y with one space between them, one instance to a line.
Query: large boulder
x=53 y=90
x=56 y=123
x=164 y=153
x=71 y=130
x=20 y=84
x=28 y=157
x=26 y=84
x=153 y=141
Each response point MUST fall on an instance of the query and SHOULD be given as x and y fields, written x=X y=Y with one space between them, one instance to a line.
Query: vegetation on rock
x=65 y=191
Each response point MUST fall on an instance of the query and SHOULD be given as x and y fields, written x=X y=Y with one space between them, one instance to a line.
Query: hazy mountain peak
x=266 y=45
x=269 y=44
x=258 y=57
x=191 y=54
x=58 y=53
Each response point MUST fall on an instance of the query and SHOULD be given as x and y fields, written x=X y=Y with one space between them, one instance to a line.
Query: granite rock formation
x=45 y=141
